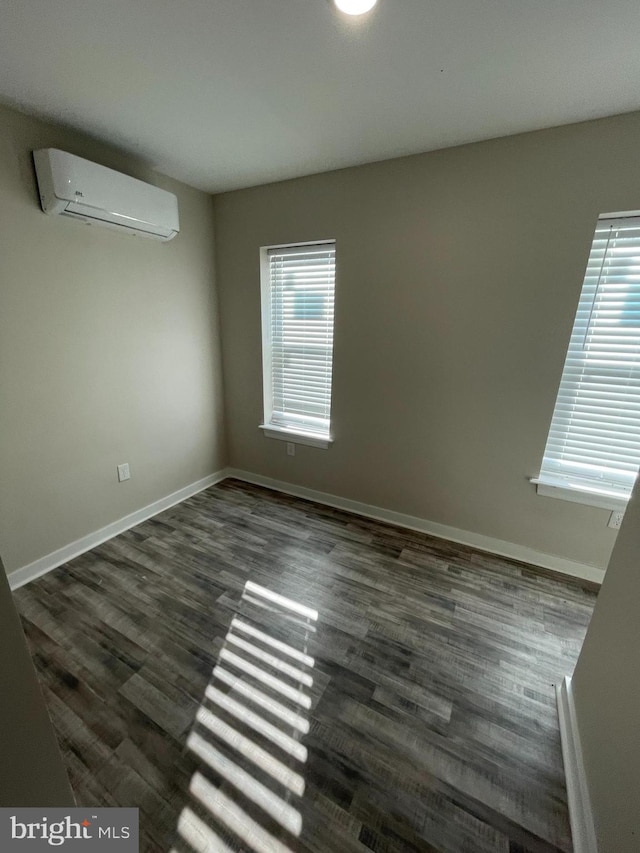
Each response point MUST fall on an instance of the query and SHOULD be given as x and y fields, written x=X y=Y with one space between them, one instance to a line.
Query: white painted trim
x=574 y=494
x=476 y=540
x=45 y=564
x=296 y=436
x=580 y=814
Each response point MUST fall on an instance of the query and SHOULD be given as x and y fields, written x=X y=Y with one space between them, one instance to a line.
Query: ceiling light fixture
x=355 y=7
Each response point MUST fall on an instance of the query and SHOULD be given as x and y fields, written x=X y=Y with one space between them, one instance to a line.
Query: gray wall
x=109 y=353
x=606 y=688
x=458 y=276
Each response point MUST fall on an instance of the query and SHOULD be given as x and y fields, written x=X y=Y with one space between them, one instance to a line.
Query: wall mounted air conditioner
x=94 y=194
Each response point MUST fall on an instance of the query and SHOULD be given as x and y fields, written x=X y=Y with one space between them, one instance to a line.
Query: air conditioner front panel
x=72 y=185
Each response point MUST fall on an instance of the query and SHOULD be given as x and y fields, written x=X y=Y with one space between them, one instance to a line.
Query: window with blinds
x=298 y=286
x=594 y=439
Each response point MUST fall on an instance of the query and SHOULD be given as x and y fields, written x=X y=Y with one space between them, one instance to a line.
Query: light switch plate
x=123 y=472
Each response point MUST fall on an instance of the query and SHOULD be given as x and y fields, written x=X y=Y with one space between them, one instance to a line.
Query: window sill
x=296 y=436
x=558 y=489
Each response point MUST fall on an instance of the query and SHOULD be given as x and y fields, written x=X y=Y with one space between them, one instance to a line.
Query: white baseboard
x=442 y=531
x=45 y=564
x=580 y=814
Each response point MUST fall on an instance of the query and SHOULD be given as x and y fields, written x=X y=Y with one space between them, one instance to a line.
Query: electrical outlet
x=123 y=472
x=291 y=449
x=615 y=519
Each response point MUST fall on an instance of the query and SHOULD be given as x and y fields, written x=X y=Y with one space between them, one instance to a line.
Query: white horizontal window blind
x=298 y=331
x=594 y=439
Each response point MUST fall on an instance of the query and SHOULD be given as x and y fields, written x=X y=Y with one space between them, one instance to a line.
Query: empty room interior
x=320 y=424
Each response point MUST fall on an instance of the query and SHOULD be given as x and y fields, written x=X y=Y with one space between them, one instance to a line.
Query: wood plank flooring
x=374 y=688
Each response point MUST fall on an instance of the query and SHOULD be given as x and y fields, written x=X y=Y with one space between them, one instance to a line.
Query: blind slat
x=300 y=351
x=594 y=438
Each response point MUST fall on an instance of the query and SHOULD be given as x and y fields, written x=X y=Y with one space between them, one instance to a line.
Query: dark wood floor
x=374 y=689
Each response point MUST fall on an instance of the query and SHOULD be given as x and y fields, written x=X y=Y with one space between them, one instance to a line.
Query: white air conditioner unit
x=94 y=194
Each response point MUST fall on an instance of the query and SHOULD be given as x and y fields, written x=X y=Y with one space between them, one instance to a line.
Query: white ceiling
x=230 y=93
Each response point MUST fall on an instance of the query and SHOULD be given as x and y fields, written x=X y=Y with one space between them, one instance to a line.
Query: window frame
x=270 y=429
x=549 y=485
